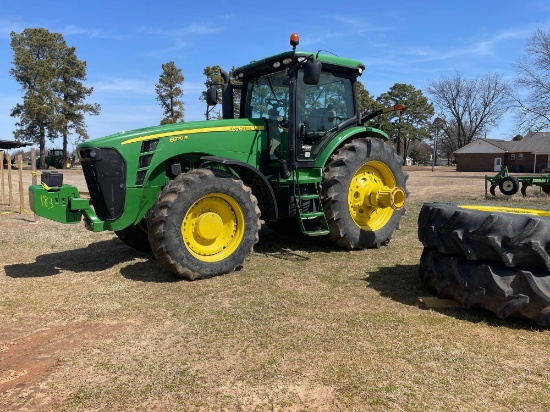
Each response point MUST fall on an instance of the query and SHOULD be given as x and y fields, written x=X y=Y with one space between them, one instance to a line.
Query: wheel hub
x=209 y=225
x=374 y=195
x=508 y=185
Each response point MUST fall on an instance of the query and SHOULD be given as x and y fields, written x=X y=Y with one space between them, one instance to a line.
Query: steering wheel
x=275 y=103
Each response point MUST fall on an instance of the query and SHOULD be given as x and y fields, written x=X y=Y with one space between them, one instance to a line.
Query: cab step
x=314 y=222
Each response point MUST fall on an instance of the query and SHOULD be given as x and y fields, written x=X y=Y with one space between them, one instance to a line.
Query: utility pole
x=438 y=124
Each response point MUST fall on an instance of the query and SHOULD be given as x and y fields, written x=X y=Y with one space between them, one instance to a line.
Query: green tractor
x=298 y=157
x=56 y=158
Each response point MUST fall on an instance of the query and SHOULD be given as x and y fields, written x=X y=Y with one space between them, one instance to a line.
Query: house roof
x=487 y=146
x=506 y=145
x=534 y=142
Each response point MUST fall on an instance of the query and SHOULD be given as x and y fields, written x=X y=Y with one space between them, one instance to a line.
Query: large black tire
x=136 y=236
x=509 y=185
x=509 y=236
x=204 y=223
x=516 y=292
x=351 y=226
x=68 y=164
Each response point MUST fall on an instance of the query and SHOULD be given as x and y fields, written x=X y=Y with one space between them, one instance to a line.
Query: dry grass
x=89 y=324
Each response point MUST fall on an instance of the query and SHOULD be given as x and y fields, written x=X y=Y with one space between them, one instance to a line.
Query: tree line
x=458 y=109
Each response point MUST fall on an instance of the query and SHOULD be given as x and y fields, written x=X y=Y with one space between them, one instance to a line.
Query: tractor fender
x=255 y=180
x=346 y=136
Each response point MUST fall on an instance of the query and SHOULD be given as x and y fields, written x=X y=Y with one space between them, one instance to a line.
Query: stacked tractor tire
x=491 y=258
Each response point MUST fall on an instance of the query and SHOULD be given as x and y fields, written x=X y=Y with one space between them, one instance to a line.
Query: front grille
x=105 y=174
x=145 y=161
x=149 y=145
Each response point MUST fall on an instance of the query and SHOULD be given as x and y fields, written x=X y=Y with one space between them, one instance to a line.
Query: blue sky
x=125 y=43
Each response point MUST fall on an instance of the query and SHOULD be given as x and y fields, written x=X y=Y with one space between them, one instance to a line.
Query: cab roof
x=266 y=65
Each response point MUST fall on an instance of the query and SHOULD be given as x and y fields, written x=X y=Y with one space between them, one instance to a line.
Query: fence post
x=2 y=173
x=33 y=171
x=33 y=165
x=10 y=192
x=21 y=190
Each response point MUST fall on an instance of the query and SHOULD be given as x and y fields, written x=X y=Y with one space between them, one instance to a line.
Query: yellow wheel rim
x=374 y=196
x=213 y=227
x=514 y=210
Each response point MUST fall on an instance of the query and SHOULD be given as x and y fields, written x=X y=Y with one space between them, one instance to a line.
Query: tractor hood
x=173 y=131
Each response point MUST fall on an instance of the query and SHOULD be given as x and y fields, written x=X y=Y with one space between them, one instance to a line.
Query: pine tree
x=214 y=79
x=36 y=62
x=410 y=124
x=169 y=93
x=73 y=93
x=50 y=75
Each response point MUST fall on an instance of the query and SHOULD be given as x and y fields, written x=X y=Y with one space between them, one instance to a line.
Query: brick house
x=531 y=154
x=483 y=155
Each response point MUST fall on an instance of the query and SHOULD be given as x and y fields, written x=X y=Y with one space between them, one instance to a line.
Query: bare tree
x=531 y=95
x=449 y=141
x=469 y=106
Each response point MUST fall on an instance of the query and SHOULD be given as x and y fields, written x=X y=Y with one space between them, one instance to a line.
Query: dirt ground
x=87 y=324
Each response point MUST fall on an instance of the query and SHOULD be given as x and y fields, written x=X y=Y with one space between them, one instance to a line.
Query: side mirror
x=212 y=96
x=312 y=72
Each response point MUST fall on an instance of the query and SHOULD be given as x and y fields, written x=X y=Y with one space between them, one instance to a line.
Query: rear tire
x=515 y=292
x=510 y=236
x=362 y=160
x=204 y=223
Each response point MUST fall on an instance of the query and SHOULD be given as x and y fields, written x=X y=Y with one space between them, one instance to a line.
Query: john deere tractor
x=298 y=157
x=56 y=158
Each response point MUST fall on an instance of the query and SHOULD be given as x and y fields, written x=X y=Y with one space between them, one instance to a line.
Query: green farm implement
x=509 y=185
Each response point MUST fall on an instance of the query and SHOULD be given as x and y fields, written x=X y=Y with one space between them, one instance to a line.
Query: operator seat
x=320 y=120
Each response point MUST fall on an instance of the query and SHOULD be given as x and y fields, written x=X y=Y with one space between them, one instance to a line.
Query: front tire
x=204 y=223
x=356 y=171
x=136 y=236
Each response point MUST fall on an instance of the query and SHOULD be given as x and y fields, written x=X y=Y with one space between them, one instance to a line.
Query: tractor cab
x=305 y=98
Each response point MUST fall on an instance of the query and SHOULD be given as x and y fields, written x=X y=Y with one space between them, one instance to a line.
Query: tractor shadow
x=273 y=243
x=142 y=266
x=94 y=258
